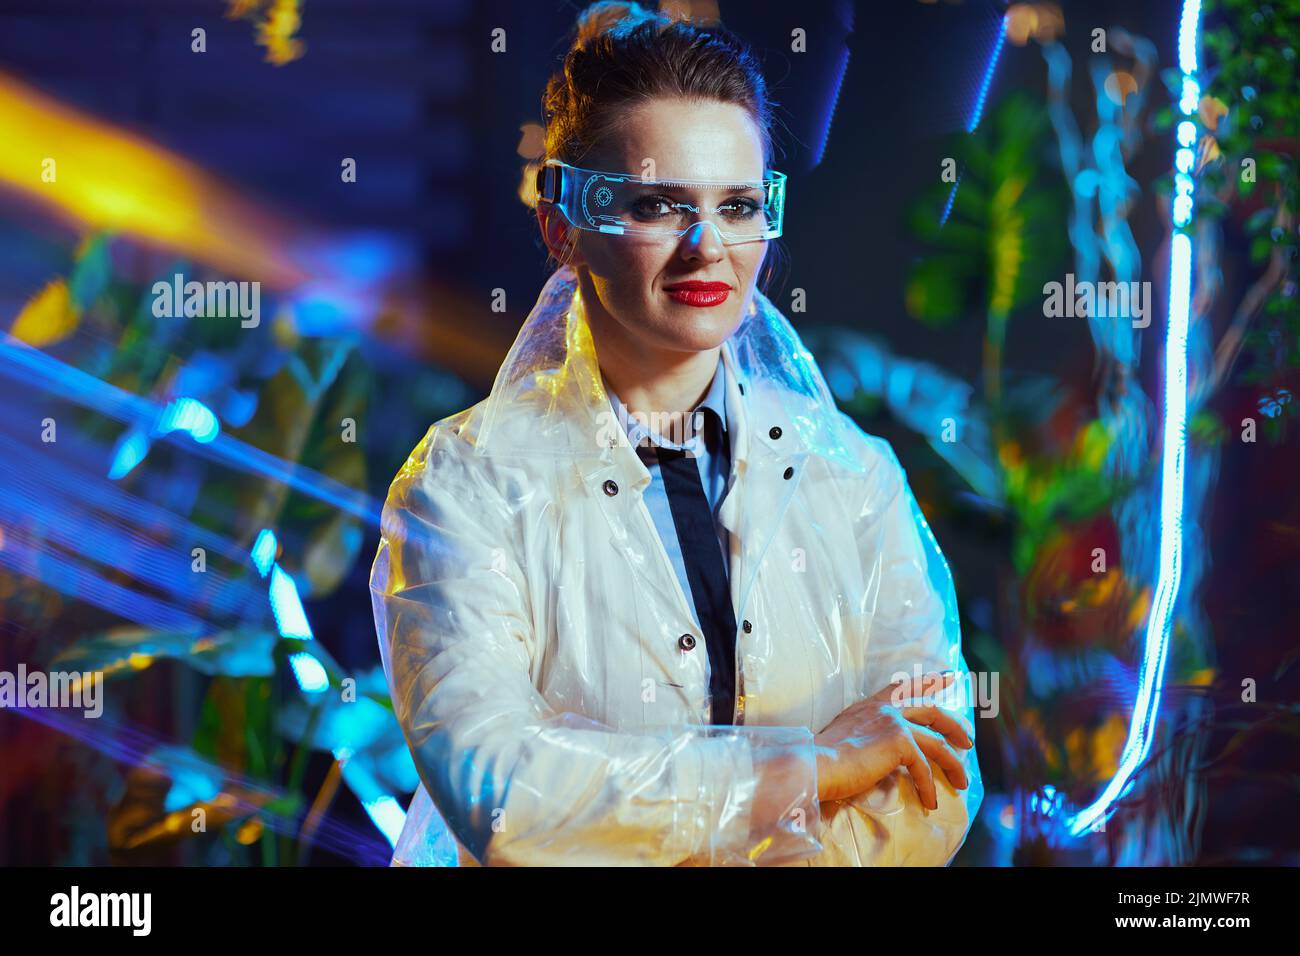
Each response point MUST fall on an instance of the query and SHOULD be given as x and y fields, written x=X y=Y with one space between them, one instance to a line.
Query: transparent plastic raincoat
x=531 y=624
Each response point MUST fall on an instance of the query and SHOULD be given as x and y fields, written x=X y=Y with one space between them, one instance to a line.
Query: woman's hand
x=870 y=738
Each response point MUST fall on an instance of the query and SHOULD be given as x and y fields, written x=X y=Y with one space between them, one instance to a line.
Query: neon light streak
x=947 y=207
x=131 y=450
x=1174 y=447
x=133 y=747
x=977 y=112
x=388 y=816
x=287 y=606
x=25 y=365
x=830 y=113
x=191 y=416
x=106 y=178
x=264 y=551
x=384 y=810
x=309 y=673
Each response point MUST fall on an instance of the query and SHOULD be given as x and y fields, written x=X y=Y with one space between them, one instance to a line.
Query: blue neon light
x=264 y=551
x=24 y=364
x=382 y=807
x=192 y=416
x=291 y=618
x=977 y=112
x=131 y=450
x=834 y=102
x=388 y=816
x=947 y=207
x=287 y=606
x=1173 y=450
x=309 y=673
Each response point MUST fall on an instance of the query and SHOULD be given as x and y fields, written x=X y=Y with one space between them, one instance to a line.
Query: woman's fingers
x=919 y=768
x=938 y=751
x=936 y=718
x=917 y=686
x=921 y=746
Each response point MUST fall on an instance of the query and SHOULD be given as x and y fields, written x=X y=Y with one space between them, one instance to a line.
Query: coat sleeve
x=914 y=628
x=517 y=782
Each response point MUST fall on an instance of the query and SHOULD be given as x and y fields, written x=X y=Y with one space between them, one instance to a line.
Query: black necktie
x=704 y=570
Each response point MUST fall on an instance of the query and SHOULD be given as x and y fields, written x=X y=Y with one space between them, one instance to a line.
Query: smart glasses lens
x=624 y=204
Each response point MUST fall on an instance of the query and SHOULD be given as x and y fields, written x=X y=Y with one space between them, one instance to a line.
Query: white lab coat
x=531 y=623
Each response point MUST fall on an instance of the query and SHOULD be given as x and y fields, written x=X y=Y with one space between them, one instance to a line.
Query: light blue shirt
x=712 y=455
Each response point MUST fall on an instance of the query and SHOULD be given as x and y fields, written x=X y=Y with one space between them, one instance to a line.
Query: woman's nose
x=702 y=242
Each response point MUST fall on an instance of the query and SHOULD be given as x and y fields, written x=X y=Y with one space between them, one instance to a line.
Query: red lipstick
x=700 y=294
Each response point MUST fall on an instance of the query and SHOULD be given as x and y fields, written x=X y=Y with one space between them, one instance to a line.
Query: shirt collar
x=639 y=432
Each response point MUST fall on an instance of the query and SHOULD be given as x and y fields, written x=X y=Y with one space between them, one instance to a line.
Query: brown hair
x=623 y=54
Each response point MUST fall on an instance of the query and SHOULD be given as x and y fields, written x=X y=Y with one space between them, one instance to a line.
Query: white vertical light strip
x=1174 y=442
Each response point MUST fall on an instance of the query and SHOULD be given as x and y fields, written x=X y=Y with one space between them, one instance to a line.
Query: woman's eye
x=652 y=207
x=741 y=207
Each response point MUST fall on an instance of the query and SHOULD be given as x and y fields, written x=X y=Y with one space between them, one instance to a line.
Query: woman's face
x=633 y=277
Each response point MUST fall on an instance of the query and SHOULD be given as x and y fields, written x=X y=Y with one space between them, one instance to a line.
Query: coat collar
x=639 y=431
x=758 y=423
x=549 y=404
x=549 y=401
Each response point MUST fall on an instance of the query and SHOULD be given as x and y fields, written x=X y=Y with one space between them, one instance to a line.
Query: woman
x=582 y=674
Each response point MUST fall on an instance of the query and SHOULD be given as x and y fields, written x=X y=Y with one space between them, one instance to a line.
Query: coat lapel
x=632 y=532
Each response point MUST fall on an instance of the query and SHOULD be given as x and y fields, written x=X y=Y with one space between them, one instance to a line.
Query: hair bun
x=626 y=53
x=609 y=16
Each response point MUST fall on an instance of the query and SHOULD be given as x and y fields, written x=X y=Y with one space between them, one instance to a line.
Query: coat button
x=775 y=432
x=611 y=486
x=789 y=473
x=686 y=642
x=748 y=627
x=741 y=386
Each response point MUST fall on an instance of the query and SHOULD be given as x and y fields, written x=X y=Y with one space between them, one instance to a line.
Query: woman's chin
x=700 y=333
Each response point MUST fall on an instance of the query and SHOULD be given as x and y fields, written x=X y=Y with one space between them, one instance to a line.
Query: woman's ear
x=561 y=239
